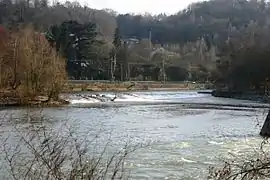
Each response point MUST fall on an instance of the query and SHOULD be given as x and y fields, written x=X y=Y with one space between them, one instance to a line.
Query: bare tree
x=30 y=66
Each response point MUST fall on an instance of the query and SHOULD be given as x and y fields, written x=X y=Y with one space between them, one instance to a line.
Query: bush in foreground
x=42 y=153
x=251 y=167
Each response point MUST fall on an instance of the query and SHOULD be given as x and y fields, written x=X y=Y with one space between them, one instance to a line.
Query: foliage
x=244 y=63
x=203 y=33
x=224 y=25
x=43 y=15
x=30 y=67
x=210 y=19
x=76 y=42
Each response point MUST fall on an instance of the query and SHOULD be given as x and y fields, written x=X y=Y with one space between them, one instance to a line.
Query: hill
x=202 y=42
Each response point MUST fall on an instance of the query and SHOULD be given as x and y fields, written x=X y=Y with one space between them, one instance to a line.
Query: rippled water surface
x=189 y=131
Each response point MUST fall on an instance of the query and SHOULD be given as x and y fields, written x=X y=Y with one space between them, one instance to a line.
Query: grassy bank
x=99 y=86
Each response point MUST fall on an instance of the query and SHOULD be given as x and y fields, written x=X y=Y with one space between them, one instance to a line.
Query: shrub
x=253 y=166
x=30 y=66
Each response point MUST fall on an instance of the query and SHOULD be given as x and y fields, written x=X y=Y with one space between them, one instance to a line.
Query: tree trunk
x=112 y=68
x=122 y=72
x=265 y=131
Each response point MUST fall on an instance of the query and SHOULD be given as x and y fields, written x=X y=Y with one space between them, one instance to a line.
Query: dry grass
x=30 y=67
x=97 y=87
x=127 y=86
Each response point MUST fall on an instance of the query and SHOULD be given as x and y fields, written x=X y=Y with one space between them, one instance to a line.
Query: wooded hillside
x=202 y=42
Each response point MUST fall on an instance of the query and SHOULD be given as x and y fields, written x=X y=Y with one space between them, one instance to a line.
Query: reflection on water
x=188 y=131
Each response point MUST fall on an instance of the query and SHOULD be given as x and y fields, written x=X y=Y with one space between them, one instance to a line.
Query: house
x=130 y=41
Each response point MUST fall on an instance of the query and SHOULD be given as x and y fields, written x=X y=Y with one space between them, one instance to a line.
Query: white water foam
x=187 y=160
x=83 y=101
x=173 y=95
x=215 y=143
x=133 y=98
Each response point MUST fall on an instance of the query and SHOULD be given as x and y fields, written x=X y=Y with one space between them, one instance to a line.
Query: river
x=188 y=131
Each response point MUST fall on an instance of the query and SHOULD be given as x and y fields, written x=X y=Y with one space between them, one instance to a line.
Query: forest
x=221 y=41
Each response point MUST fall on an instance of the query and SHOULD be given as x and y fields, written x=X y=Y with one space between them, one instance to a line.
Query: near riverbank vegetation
x=31 y=70
x=252 y=167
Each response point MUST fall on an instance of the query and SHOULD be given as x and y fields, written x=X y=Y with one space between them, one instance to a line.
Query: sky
x=140 y=6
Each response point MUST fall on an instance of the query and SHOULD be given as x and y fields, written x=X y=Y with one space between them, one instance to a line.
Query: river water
x=188 y=131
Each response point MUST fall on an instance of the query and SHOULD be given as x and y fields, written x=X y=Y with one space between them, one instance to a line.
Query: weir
x=191 y=100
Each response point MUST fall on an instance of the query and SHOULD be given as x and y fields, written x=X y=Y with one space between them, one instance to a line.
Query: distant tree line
x=237 y=29
x=217 y=40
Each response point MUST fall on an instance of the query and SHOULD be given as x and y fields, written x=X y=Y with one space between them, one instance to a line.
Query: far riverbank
x=13 y=98
x=105 y=86
x=248 y=95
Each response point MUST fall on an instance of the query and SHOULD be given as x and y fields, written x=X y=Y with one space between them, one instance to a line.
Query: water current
x=188 y=131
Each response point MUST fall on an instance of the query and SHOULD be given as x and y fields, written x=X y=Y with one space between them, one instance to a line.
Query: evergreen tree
x=117 y=40
x=77 y=42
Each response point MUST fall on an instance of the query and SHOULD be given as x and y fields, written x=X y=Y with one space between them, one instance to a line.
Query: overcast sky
x=140 y=6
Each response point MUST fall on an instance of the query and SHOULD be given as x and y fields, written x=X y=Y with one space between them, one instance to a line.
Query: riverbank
x=11 y=98
x=92 y=86
x=251 y=95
